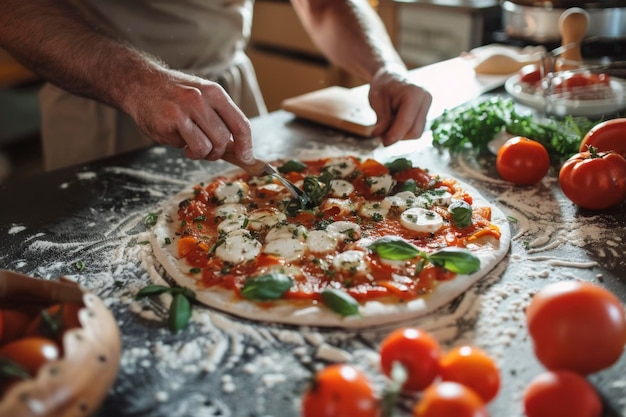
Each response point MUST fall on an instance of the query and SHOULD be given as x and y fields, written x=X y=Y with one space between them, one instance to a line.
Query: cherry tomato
x=472 y=367
x=594 y=180
x=522 y=161
x=339 y=391
x=576 y=326
x=449 y=399
x=30 y=353
x=609 y=135
x=561 y=394
x=577 y=80
x=414 y=349
x=14 y=324
x=54 y=321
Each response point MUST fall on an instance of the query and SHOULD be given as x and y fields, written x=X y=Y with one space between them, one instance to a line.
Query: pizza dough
x=373 y=312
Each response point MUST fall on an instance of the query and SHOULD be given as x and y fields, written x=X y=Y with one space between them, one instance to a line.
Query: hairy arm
x=51 y=38
x=352 y=36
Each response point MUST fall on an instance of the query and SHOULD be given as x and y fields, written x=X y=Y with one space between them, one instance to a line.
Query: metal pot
x=537 y=21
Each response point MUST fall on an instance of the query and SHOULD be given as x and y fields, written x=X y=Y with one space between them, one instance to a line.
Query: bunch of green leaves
x=179 y=311
x=314 y=190
x=474 y=125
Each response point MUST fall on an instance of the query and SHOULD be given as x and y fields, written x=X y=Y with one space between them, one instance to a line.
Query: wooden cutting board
x=338 y=107
x=451 y=83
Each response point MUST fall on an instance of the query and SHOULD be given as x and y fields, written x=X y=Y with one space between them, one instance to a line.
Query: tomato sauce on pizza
x=362 y=228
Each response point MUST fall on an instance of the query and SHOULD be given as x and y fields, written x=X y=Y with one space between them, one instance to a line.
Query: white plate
x=570 y=107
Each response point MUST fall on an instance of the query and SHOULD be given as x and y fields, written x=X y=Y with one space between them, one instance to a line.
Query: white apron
x=201 y=37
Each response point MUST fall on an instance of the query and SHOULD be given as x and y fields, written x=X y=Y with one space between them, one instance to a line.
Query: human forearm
x=52 y=39
x=350 y=34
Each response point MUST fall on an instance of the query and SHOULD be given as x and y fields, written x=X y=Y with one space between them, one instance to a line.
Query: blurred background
x=288 y=64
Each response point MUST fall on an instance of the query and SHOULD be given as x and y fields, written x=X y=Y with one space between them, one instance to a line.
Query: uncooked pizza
x=366 y=243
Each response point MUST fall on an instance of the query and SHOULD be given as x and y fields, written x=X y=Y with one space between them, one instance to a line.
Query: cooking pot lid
x=566 y=4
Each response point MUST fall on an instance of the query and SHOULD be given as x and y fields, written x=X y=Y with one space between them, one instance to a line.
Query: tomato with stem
x=609 y=135
x=340 y=391
x=576 y=326
x=474 y=368
x=522 y=161
x=594 y=180
x=417 y=351
x=561 y=394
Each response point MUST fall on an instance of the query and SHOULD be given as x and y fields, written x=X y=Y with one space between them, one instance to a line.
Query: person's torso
x=198 y=36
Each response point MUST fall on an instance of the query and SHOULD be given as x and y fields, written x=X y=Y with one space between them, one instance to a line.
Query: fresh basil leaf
x=184 y=291
x=398 y=165
x=151 y=219
x=460 y=261
x=291 y=166
x=461 y=213
x=340 y=302
x=394 y=248
x=408 y=185
x=266 y=287
x=179 y=313
x=151 y=290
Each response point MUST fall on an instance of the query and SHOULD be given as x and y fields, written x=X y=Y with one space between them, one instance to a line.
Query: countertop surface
x=87 y=223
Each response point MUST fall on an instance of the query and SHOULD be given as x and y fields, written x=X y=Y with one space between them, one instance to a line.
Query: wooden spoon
x=573 y=26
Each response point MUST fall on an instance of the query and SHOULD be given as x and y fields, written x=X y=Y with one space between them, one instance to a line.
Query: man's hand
x=401 y=106
x=182 y=110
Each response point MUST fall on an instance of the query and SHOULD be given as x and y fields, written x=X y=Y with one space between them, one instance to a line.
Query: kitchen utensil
x=260 y=167
x=573 y=25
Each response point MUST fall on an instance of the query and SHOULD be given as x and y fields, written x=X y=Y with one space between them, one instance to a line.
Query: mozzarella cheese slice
x=380 y=185
x=232 y=223
x=421 y=220
x=229 y=210
x=265 y=218
x=340 y=167
x=321 y=241
x=341 y=188
x=238 y=247
x=232 y=192
x=288 y=249
x=352 y=261
x=373 y=209
x=286 y=231
x=345 y=230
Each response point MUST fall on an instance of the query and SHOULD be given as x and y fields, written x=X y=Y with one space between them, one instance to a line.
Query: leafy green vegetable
x=151 y=219
x=398 y=165
x=179 y=311
x=291 y=166
x=394 y=248
x=461 y=213
x=340 y=302
x=460 y=261
x=474 y=125
x=266 y=287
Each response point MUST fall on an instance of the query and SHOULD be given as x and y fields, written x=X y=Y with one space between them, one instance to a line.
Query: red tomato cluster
x=522 y=161
x=595 y=178
x=577 y=328
x=460 y=382
x=30 y=338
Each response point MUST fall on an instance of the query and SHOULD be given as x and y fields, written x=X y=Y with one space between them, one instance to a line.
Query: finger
x=241 y=131
x=198 y=145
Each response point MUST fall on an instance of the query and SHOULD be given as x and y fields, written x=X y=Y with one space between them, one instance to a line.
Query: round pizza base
x=372 y=313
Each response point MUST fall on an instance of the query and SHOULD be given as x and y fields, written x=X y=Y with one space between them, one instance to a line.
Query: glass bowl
x=594 y=85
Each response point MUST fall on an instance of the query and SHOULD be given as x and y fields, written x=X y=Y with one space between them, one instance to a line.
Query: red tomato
x=414 y=349
x=472 y=367
x=530 y=74
x=340 y=391
x=522 y=161
x=561 y=394
x=609 y=135
x=576 y=80
x=30 y=353
x=14 y=324
x=54 y=321
x=449 y=399
x=576 y=326
x=594 y=180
